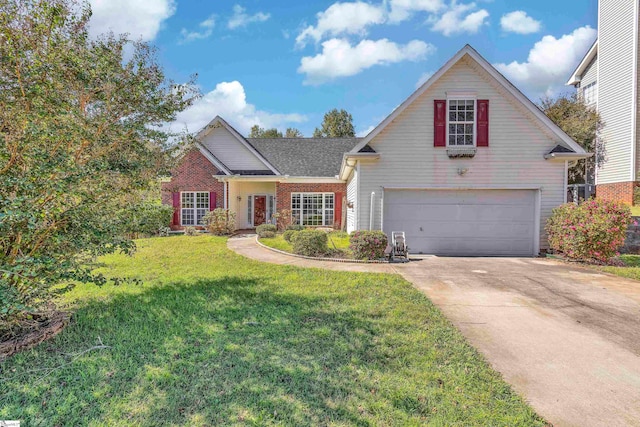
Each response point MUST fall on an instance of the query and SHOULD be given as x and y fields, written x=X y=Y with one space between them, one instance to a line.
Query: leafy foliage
x=284 y=219
x=79 y=128
x=262 y=229
x=220 y=222
x=293 y=133
x=146 y=218
x=258 y=132
x=583 y=124
x=288 y=235
x=336 y=124
x=310 y=243
x=190 y=231
x=368 y=244
x=591 y=231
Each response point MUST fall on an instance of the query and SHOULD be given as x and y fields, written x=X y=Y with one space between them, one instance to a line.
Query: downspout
x=373 y=196
x=382 y=209
x=224 y=189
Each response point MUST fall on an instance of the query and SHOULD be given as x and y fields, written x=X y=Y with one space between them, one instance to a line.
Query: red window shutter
x=482 y=140
x=439 y=123
x=337 y=212
x=212 y=200
x=176 y=208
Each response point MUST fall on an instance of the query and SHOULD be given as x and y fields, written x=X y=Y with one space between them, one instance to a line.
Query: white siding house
x=413 y=180
x=611 y=66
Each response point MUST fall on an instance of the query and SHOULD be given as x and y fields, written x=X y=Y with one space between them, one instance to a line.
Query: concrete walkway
x=566 y=338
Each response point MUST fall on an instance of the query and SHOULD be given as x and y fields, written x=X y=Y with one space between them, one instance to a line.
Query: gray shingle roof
x=320 y=157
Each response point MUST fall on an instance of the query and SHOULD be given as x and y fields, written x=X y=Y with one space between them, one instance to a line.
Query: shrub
x=288 y=235
x=295 y=227
x=190 y=231
x=591 y=231
x=266 y=228
x=145 y=218
x=268 y=234
x=164 y=231
x=220 y=222
x=309 y=242
x=283 y=219
x=368 y=244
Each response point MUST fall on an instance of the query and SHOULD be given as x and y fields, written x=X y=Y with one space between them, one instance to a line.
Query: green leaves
x=80 y=144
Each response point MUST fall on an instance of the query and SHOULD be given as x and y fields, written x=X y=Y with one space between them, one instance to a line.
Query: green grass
x=211 y=338
x=630 y=270
x=340 y=241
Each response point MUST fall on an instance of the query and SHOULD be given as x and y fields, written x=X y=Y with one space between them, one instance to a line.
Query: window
x=590 y=93
x=193 y=206
x=313 y=208
x=461 y=122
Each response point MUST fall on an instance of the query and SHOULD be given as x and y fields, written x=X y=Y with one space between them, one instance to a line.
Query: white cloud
x=519 y=22
x=205 y=31
x=459 y=19
x=140 y=18
x=342 y=18
x=229 y=101
x=242 y=19
x=401 y=10
x=365 y=132
x=340 y=59
x=550 y=61
x=423 y=78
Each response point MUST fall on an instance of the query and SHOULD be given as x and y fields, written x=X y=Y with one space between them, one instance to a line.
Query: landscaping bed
x=337 y=243
x=212 y=338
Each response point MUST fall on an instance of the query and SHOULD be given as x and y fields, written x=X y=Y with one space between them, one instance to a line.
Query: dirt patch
x=34 y=333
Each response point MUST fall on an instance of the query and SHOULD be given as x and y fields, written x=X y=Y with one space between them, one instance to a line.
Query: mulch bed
x=40 y=329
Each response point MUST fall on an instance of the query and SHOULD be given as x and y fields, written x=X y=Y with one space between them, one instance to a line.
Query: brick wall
x=620 y=191
x=284 y=190
x=193 y=173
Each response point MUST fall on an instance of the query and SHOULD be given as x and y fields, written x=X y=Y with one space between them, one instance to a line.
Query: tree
x=258 y=132
x=336 y=124
x=582 y=123
x=80 y=134
x=293 y=133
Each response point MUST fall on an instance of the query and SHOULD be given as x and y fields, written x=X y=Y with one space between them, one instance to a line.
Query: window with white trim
x=193 y=206
x=313 y=209
x=590 y=93
x=461 y=122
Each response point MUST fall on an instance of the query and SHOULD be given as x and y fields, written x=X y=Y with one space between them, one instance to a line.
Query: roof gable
x=220 y=142
x=584 y=64
x=498 y=77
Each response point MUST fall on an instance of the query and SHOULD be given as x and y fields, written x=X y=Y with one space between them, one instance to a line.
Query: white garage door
x=463 y=222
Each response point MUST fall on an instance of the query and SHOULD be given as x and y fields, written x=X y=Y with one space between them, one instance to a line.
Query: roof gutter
x=279 y=178
x=349 y=161
x=563 y=157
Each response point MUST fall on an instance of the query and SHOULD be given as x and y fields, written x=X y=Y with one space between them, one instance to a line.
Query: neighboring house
x=456 y=178
x=607 y=79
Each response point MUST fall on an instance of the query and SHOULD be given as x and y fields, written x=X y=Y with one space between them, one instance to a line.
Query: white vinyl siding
x=615 y=84
x=514 y=158
x=230 y=151
x=352 y=188
x=589 y=82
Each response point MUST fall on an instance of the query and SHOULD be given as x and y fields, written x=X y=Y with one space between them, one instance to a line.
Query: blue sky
x=283 y=63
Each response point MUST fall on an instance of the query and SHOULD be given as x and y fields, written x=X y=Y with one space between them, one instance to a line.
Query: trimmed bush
x=591 y=231
x=265 y=228
x=220 y=222
x=309 y=242
x=295 y=227
x=268 y=235
x=368 y=244
x=190 y=231
x=288 y=235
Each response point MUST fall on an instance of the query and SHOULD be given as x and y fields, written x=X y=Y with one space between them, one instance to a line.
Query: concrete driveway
x=566 y=338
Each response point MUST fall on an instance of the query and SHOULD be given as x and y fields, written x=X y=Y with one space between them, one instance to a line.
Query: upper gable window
x=461 y=122
x=590 y=93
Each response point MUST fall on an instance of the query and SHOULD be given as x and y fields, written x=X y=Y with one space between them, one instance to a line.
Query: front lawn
x=211 y=338
x=338 y=244
x=630 y=270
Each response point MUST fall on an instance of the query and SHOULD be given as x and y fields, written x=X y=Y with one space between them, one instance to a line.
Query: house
x=607 y=79
x=467 y=165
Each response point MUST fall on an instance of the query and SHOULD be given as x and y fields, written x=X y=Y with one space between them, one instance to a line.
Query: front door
x=259 y=210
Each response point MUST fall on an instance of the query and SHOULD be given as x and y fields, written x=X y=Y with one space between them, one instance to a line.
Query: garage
x=464 y=222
